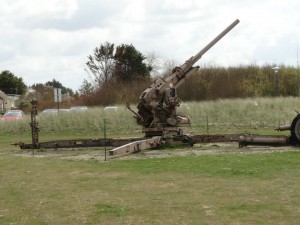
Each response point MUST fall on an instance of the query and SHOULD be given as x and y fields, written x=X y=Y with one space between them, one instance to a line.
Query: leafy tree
x=39 y=87
x=129 y=63
x=101 y=63
x=56 y=84
x=11 y=84
x=123 y=63
x=44 y=93
x=86 y=88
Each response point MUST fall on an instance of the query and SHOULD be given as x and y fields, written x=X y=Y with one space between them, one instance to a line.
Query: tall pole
x=57 y=93
x=104 y=129
x=276 y=69
x=277 y=83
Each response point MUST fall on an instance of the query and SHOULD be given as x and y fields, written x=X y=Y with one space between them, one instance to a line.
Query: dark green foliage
x=129 y=63
x=11 y=84
x=101 y=63
x=123 y=63
x=118 y=74
x=56 y=84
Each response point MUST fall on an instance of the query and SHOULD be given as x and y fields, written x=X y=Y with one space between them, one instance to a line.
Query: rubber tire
x=295 y=130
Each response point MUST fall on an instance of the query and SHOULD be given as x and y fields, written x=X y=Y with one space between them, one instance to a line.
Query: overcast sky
x=41 y=39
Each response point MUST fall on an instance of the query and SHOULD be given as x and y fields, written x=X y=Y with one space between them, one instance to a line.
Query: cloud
x=43 y=39
x=70 y=15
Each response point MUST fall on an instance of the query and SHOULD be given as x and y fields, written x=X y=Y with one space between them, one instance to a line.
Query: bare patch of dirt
x=98 y=154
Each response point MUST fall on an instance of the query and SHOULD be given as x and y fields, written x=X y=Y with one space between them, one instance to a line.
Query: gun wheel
x=295 y=130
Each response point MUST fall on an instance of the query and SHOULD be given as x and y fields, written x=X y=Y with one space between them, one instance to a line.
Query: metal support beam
x=264 y=140
x=136 y=146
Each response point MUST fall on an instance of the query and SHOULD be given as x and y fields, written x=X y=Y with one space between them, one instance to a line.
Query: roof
x=3 y=96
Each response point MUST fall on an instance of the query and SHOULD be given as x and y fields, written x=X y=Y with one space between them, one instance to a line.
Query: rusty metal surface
x=34 y=125
x=162 y=131
x=125 y=146
x=244 y=139
x=76 y=143
x=268 y=140
x=136 y=146
x=215 y=138
x=295 y=130
x=283 y=128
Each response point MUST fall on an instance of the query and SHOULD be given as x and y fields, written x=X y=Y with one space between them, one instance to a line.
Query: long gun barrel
x=189 y=63
x=213 y=42
x=182 y=73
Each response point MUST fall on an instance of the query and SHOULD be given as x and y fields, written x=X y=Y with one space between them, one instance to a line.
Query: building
x=8 y=102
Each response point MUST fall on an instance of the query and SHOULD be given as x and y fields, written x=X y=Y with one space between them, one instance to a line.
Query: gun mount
x=157 y=104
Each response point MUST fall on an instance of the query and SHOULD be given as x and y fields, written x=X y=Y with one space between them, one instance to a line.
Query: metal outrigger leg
x=34 y=126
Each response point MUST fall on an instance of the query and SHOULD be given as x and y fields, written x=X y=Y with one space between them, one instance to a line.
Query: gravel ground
x=98 y=154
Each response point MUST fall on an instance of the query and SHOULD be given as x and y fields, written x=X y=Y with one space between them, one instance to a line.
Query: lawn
x=226 y=186
x=229 y=188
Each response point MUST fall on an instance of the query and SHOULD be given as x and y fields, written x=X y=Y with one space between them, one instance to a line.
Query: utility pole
x=276 y=69
x=57 y=96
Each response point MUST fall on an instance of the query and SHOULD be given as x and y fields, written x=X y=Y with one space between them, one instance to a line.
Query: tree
x=56 y=84
x=108 y=63
x=108 y=67
x=168 y=66
x=11 y=84
x=153 y=61
x=86 y=88
x=39 y=87
x=129 y=63
x=45 y=95
x=101 y=63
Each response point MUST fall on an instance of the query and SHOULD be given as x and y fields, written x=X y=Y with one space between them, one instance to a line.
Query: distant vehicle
x=78 y=108
x=64 y=110
x=49 y=112
x=53 y=111
x=13 y=115
x=111 y=108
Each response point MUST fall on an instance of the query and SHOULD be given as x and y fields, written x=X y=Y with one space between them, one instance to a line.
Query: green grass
x=226 y=116
x=243 y=114
x=221 y=189
x=226 y=188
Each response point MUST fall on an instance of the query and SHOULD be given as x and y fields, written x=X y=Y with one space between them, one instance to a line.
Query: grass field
x=243 y=115
x=212 y=189
x=227 y=186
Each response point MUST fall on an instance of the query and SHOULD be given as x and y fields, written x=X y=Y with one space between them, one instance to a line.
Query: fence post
x=104 y=129
x=207 y=128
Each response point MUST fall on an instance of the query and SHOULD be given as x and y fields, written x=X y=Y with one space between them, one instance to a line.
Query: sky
x=43 y=40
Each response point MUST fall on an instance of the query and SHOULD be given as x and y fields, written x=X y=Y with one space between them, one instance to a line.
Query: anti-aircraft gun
x=157 y=104
x=156 y=113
